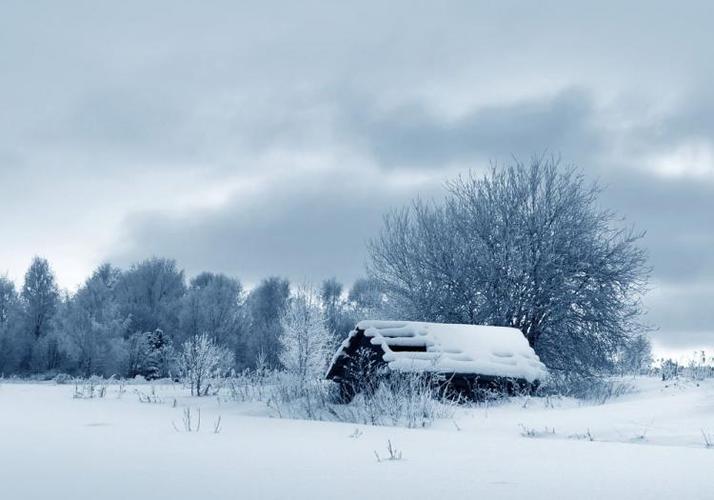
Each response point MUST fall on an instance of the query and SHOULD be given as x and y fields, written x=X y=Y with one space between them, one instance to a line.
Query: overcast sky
x=269 y=137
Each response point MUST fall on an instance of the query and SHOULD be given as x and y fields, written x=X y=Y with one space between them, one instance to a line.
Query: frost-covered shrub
x=191 y=421
x=365 y=371
x=248 y=385
x=532 y=432
x=295 y=397
x=708 y=439
x=635 y=356
x=407 y=400
x=594 y=389
x=62 y=378
x=202 y=363
x=148 y=397
x=93 y=387
x=46 y=376
x=699 y=367
x=392 y=455
x=670 y=369
x=305 y=342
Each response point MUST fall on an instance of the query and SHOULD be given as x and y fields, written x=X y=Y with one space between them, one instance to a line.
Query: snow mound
x=445 y=348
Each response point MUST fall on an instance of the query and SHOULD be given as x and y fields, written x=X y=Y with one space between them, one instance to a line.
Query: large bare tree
x=526 y=246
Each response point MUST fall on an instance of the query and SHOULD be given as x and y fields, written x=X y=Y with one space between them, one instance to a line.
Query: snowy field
x=647 y=444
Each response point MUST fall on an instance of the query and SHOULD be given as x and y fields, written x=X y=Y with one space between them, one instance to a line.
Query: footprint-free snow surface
x=647 y=444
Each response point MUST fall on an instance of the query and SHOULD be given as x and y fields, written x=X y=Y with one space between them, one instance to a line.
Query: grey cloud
x=659 y=129
x=305 y=229
x=692 y=118
x=677 y=216
x=118 y=120
x=682 y=317
x=678 y=312
x=413 y=136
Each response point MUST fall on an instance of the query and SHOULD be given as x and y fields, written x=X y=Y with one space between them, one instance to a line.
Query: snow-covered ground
x=647 y=444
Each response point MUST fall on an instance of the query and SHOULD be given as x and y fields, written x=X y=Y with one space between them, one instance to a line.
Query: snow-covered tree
x=93 y=326
x=150 y=295
x=161 y=354
x=200 y=361
x=366 y=300
x=138 y=354
x=40 y=300
x=525 y=246
x=9 y=316
x=40 y=297
x=305 y=342
x=263 y=309
x=636 y=355
x=212 y=305
x=149 y=354
x=339 y=319
x=8 y=300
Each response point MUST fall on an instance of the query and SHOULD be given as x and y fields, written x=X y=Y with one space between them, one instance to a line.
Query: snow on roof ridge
x=452 y=348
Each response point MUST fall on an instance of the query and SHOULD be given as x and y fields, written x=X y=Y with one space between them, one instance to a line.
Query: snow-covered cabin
x=468 y=356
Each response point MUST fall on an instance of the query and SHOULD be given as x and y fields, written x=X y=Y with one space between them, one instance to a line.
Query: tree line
x=133 y=322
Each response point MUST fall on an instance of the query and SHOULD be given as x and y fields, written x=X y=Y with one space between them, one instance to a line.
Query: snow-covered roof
x=445 y=348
